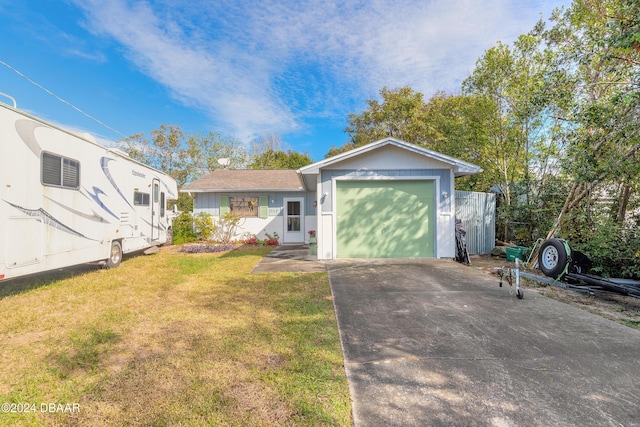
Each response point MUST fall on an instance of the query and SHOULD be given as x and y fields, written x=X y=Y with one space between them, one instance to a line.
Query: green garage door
x=385 y=219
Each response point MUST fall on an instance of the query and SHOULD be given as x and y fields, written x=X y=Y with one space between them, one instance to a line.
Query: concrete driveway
x=435 y=343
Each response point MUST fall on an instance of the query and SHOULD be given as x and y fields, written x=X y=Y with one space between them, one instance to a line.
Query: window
x=162 y=205
x=293 y=216
x=156 y=188
x=58 y=171
x=140 y=199
x=244 y=206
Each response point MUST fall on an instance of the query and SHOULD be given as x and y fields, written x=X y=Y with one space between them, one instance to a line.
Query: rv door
x=155 y=211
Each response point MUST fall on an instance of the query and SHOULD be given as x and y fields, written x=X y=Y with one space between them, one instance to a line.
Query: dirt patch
x=620 y=308
x=259 y=400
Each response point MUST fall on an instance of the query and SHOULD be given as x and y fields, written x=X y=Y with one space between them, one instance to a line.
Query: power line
x=62 y=100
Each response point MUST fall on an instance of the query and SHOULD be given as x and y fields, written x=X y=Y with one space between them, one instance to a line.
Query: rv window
x=140 y=199
x=162 y=205
x=155 y=193
x=60 y=172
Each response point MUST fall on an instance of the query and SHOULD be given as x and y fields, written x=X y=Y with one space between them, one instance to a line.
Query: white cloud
x=231 y=85
x=260 y=66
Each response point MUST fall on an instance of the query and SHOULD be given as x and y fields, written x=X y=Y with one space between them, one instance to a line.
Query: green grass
x=174 y=339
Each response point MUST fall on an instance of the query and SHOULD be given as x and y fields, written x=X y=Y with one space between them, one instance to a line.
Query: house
x=386 y=199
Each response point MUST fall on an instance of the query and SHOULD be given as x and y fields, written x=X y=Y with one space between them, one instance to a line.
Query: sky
x=242 y=68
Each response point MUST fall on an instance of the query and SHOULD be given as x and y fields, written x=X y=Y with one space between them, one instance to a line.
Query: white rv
x=66 y=200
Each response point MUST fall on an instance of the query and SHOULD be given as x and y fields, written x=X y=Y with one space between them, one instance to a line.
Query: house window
x=244 y=207
x=58 y=171
x=140 y=199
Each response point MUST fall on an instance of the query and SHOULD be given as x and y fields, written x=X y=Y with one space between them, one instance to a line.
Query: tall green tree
x=599 y=54
x=272 y=159
x=463 y=127
x=165 y=151
x=205 y=151
x=458 y=125
x=400 y=114
x=269 y=152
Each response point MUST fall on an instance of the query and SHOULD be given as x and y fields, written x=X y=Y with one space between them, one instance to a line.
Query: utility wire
x=62 y=100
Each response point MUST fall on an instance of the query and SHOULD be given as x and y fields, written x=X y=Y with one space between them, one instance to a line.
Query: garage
x=385 y=218
x=385 y=199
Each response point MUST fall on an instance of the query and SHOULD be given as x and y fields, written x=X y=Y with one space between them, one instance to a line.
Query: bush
x=271 y=240
x=204 y=226
x=614 y=251
x=183 y=229
x=225 y=228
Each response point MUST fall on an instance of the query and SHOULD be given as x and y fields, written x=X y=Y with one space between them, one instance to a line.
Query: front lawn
x=173 y=338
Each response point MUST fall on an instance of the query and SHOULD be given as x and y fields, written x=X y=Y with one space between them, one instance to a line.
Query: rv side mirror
x=175 y=209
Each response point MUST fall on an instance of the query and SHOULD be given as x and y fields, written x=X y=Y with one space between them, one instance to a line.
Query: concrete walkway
x=290 y=258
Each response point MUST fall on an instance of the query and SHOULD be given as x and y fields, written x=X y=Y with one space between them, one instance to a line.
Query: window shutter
x=224 y=205
x=264 y=207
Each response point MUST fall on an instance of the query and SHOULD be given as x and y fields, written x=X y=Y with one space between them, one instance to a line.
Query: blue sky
x=242 y=68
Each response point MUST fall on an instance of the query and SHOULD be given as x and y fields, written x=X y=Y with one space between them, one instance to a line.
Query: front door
x=293 y=220
x=155 y=211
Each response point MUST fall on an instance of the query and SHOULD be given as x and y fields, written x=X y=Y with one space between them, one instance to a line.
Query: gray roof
x=231 y=180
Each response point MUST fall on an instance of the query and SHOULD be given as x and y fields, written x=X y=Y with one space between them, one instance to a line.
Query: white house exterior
x=267 y=200
x=389 y=199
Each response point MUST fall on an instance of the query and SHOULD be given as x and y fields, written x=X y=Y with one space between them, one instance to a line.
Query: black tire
x=553 y=258
x=115 y=256
x=520 y=294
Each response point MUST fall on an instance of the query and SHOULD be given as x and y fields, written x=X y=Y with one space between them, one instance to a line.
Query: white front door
x=293 y=220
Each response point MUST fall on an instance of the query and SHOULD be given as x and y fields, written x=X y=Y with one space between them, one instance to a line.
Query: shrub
x=614 y=251
x=204 y=226
x=249 y=241
x=226 y=227
x=271 y=240
x=183 y=229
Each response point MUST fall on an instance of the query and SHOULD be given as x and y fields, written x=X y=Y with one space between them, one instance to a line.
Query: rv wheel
x=116 y=255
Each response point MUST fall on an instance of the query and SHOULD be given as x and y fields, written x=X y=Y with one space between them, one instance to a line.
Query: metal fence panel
x=477 y=211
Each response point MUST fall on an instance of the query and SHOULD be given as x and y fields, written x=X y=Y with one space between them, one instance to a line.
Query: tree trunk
x=623 y=202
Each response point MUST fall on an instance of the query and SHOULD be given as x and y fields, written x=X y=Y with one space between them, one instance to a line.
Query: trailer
x=557 y=260
x=66 y=200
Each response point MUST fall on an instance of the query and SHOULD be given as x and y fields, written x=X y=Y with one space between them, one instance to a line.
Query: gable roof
x=460 y=167
x=229 y=180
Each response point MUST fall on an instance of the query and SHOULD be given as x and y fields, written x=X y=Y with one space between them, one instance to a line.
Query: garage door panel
x=379 y=219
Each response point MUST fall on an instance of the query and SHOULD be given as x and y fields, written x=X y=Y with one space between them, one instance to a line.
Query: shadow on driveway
x=435 y=343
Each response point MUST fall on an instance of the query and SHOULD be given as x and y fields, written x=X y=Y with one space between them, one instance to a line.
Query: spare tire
x=553 y=258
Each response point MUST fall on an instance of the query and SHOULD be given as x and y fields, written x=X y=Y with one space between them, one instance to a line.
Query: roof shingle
x=222 y=180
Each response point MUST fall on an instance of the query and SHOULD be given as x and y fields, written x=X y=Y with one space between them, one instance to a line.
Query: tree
x=269 y=153
x=464 y=127
x=597 y=44
x=458 y=125
x=168 y=153
x=401 y=115
x=137 y=147
x=513 y=78
x=165 y=151
x=280 y=160
x=204 y=151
